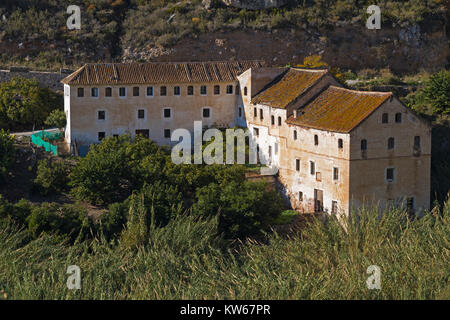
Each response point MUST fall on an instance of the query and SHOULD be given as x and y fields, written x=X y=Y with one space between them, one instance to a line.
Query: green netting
x=49 y=135
x=37 y=140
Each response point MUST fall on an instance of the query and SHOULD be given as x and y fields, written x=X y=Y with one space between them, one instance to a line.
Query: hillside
x=413 y=34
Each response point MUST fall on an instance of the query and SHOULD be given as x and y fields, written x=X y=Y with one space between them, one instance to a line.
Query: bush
x=52 y=177
x=110 y=170
x=244 y=210
x=68 y=220
x=437 y=92
x=6 y=153
x=15 y=212
x=56 y=118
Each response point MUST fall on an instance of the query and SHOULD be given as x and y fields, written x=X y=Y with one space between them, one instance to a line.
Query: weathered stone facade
x=335 y=149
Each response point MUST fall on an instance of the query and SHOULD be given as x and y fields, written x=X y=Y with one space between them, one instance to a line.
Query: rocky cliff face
x=255 y=4
x=402 y=49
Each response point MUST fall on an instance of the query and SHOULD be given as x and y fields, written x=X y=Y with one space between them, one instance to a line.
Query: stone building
x=151 y=99
x=337 y=148
x=334 y=148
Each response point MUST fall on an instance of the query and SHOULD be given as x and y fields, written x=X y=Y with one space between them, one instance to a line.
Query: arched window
x=295 y=134
x=279 y=121
x=245 y=91
x=363 y=144
x=316 y=140
x=340 y=144
x=398 y=117
x=272 y=120
x=391 y=143
x=417 y=142
x=385 y=118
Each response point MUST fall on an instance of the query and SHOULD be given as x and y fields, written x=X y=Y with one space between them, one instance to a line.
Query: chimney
x=295 y=114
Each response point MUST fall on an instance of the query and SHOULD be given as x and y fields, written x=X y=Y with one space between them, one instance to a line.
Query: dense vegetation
x=6 y=153
x=188 y=260
x=25 y=104
x=35 y=31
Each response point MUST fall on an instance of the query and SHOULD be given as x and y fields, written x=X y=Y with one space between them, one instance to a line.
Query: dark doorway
x=318 y=200
x=145 y=133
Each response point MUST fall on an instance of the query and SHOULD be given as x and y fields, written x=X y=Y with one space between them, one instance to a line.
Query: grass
x=188 y=260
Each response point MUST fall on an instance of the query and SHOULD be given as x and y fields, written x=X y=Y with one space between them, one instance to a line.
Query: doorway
x=318 y=200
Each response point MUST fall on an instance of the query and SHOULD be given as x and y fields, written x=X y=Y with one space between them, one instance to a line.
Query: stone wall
x=50 y=80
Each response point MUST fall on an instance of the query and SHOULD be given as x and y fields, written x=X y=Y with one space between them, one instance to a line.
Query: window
x=237 y=91
x=300 y=196
x=176 y=90
x=149 y=91
x=390 y=174
x=94 y=92
x=115 y=135
x=143 y=132
x=255 y=112
x=203 y=90
x=279 y=121
x=163 y=91
x=216 y=89
x=190 y=90
x=312 y=167
x=122 y=92
x=135 y=91
x=385 y=118
x=141 y=114
x=166 y=133
x=316 y=140
x=335 y=173
x=101 y=115
x=363 y=144
x=340 y=144
x=261 y=114
x=240 y=112
x=270 y=151
x=245 y=91
x=206 y=112
x=417 y=142
x=167 y=113
x=398 y=118
x=108 y=92
x=101 y=136
x=391 y=143
x=272 y=120
x=297 y=164
x=256 y=131
x=295 y=134
x=229 y=89
x=80 y=92
x=334 y=207
x=318 y=176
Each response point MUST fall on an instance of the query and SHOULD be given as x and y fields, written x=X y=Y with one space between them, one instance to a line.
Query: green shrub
x=286 y=217
x=56 y=118
x=244 y=210
x=437 y=92
x=67 y=219
x=7 y=152
x=52 y=177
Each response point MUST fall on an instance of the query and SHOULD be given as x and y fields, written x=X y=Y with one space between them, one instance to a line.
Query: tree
x=56 y=118
x=24 y=103
x=6 y=153
x=244 y=209
x=112 y=169
x=52 y=177
x=437 y=92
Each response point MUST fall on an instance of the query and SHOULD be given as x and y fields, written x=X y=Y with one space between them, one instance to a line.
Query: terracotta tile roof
x=288 y=87
x=339 y=109
x=159 y=72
